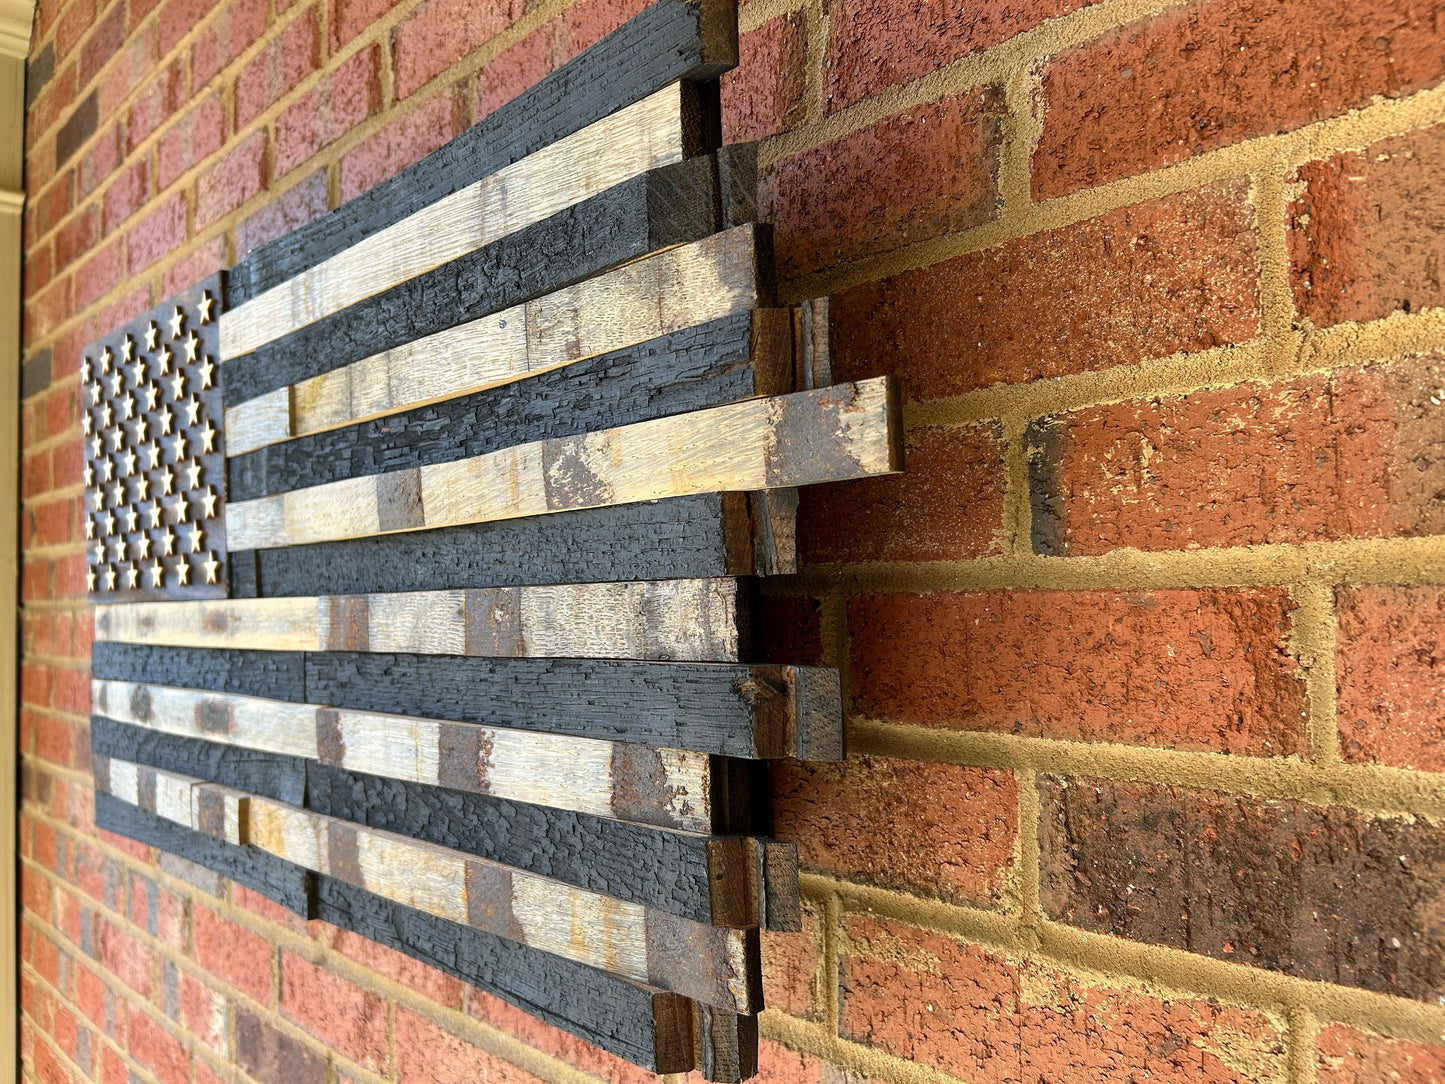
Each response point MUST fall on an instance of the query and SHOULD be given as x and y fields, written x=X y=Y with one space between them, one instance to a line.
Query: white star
x=132 y=574
x=153 y=453
x=110 y=579
x=192 y=345
x=206 y=370
x=106 y=414
x=117 y=493
x=168 y=543
x=156 y=572
x=96 y=447
x=105 y=359
x=204 y=306
x=117 y=548
x=142 y=429
x=168 y=481
x=178 y=449
x=129 y=460
x=115 y=439
x=183 y=572
x=127 y=348
x=166 y=418
x=90 y=579
x=165 y=357
x=208 y=502
x=211 y=566
x=193 y=475
x=129 y=403
x=153 y=391
x=138 y=372
x=142 y=487
x=87 y=423
x=84 y=370
x=89 y=527
x=95 y=393
x=98 y=553
x=109 y=523
x=154 y=511
x=196 y=535
x=89 y=474
x=177 y=319
x=142 y=546
x=193 y=410
x=151 y=332
x=132 y=519
x=208 y=438
x=116 y=380
x=107 y=470
x=178 y=384
x=181 y=513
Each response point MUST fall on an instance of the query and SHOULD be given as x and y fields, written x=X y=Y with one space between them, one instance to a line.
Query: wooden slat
x=672 y=205
x=693 y=620
x=274 y=675
x=661 y=295
x=654 y=132
x=831 y=434
x=668 y=787
x=705 y=535
x=668 y=41
x=715 y=965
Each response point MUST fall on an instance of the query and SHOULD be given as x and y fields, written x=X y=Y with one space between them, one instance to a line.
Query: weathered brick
x=437 y=985
x=273 y=1057
x=103 y=42
x=426 y=1053
x=236 y=178
x=346 y=1017
x=76 y=236
x=1174 y=275
x=283 y=213
x=1326 y=893
x=519 y=66
x=178 y=18
x=930 y=829
x=72 y=26
x=337 y=104
x=1202 y=670
x=50 y=106
x=78 y=127
x=45 y=210
x=589 y=21
x=765 y=94
x=1364 y=239
x=1346 y=1055
x=793 y=967
x=946 y=505
x=557 y=1043
x=992 y=1019
x=1390 y=672
x=158 y=234
x=233 y=954
x=192 y=139
x=347 y=18
x=438 y=33
x=127 y=194
x=1356 y=453
x=45 y=311
x=156 y=104
x=1213 y=73
x=228 y=35
x=205 y=259
x=403 y=141
x=99 y=161
x=129 y=69
x=125 y=956
x=286 y=60
x=876 y=44
x=917 y=174
x=98 y=275
x=156 y=1049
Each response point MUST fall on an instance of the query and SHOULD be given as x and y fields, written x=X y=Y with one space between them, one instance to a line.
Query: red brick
x=35 y=893
x=50 y=206
x=157 y=1049
x=1390 y=671
x=440 y=987
x=557 y=1043
x=130 y=68
x=920 y=173
x=192 y=139
x=45 y=311
x=405 y=140
x=793 y=968
x=425 y=1054
x=55 y=740
x=157 y=103
x=158 y=234
x=99 y=162
x=347 y=18
x=98 y=275
x=202 y=1011
x=283 y=213
x=1201 y=670
x=1356 y=453
x=929 y=829
x=124 y=308
x=1213 y=73
x=49 y=1069
x=236 y=178
x=205 y=259
x=877 y=44
x=1363 y=241
x=1174 y=275
x=348 y=1018
x=589 y=21
x=127 y=194
x=76 y=236
x=765 y=94
x=276 y=69
x=339 y=103
x=137 y=10
x=438 y=33
x=178 y=18
x=124 y=956
x=991 y=1019
x=1345 y=1055
x=269 y=909
x=519 y=66
x=50 y=106
x=72 y=27
x=54 y=523
x=946 y=505
x=225 y=38
x=104 y=40
x=233 y=954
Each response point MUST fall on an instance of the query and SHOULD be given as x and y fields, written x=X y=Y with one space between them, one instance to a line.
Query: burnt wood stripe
x=688 y=370
x=273 y=775
x=662 y=207
x=274 y=675
x=670 y=40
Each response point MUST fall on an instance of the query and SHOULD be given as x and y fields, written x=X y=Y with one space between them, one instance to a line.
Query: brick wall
x=1145 y=653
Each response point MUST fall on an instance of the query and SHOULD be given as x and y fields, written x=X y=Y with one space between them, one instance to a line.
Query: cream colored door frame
x=16 y=17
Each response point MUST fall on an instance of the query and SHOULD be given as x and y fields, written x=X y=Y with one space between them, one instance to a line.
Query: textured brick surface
x=340 y=102
x=931 y=829
x=984 y=1017
x=426 y=1053
x=1323 y=893
x=1390 y=667
x=1210 y=74
x=1197 y=670
x=1358 y=453
x=347 y=1018
x=440 y=32
x=1345 y=1055
x=402 y=142
x=1366 y=236
x=764 y=94
x=1174 y=275
x=917 y=174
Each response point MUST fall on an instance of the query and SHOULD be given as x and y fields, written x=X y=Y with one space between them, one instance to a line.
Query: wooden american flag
x=423 y=544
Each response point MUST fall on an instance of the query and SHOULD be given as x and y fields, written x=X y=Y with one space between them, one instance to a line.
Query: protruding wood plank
x=830 y=434
x=655 y=210
x=274 y=675
x=689 y=620
x=269 y=774
x=667 y=787
x=668 y=41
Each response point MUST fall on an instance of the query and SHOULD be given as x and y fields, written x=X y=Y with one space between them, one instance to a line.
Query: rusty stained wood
x=700 y=620
x=715 y=965
x=657 y=131
x=831 y=434
x=618 y=780
x=678 y=288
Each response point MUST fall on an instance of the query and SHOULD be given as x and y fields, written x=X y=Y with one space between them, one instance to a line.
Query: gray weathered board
x=423 y=545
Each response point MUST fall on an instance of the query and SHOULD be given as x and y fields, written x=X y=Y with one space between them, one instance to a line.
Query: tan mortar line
x=832 y=910
x=1022 y=129
x=816 y=28
x=488 y=1037
x=1271 y=222
x=1303 y=1027
x=1025 y=879
x=1383 y=118
x=752 y=15
x=84 y=1024
x=1312 y=642
x=1015 y=531
x=1372 y=789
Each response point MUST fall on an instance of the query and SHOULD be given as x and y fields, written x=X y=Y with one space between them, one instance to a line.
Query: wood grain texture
x=830 y=434
x=271 y=775
x=666 y=787
x=670 y=40
x=702 y=620
x=272 y=674
x=621 y=322
x=646 y=135
x=755 y=712
x=669 y=206
x=701 y=536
